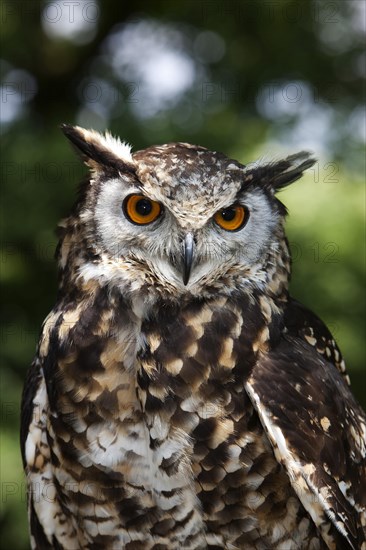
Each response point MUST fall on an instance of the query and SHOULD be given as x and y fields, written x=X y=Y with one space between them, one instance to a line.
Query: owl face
x=177 y=217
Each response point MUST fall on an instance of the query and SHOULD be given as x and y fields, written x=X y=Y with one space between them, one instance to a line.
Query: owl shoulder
x=302 y=322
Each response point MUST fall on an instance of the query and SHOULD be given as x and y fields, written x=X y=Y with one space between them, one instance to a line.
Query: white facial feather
x=155 y=250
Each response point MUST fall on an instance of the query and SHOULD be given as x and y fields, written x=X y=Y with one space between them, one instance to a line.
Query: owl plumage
x=180 y=398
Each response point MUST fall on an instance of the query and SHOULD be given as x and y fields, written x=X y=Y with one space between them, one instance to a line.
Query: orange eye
x=141 y=210
x=232 y=218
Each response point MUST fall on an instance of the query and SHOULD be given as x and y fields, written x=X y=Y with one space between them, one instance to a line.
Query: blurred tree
x=249 y=78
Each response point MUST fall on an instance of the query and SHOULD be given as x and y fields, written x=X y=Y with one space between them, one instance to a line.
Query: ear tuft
x=278 y=174
x=99 y=150
x=291 y=168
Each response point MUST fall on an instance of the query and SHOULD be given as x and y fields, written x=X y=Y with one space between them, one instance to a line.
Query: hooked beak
x=187 y=257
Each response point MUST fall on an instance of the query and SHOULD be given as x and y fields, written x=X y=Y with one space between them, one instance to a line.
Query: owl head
x=175 y=219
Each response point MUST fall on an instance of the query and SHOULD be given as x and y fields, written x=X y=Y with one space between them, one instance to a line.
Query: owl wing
x=36 y=455
x=318 y=433
x=47 y=517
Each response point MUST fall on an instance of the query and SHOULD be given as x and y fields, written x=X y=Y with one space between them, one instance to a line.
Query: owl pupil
x=229 y=214
x=143 y=207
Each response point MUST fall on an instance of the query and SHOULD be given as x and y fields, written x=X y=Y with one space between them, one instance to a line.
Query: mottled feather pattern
x=211 y=414
x=325 y=440
x=186 y=429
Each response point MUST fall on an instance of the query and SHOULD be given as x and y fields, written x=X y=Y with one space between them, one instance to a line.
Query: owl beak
x=187 y=257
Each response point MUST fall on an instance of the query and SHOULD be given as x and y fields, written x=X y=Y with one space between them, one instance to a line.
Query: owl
x=180 y=398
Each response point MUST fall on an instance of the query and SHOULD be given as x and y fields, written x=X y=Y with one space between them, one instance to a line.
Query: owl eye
x=141 y=210
x=232 y=218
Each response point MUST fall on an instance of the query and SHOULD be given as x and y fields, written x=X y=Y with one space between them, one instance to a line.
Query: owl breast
x=165 y=450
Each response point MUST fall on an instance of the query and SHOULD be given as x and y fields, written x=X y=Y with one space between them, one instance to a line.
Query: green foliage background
x=252 y=79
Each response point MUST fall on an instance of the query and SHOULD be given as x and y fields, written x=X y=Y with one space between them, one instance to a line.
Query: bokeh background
x=254 y=79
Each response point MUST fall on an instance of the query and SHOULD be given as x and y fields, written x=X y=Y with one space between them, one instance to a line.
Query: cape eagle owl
x=179 y=397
